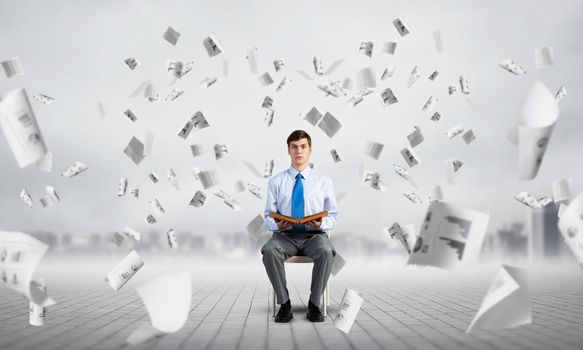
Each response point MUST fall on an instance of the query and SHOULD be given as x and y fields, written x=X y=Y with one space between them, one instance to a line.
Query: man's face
x=299 y=152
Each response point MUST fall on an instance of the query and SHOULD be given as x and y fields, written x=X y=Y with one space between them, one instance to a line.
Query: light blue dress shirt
x=318 y=196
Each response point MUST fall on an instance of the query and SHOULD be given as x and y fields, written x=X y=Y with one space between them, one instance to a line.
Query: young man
x=299 y=191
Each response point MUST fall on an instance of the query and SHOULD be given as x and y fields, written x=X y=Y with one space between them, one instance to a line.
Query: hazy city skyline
x=75 y=54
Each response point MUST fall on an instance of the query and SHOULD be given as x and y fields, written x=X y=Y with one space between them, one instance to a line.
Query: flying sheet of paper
x=198 y=199
x=373 y=149
x=212 y=46
x=20 y=128
x=240 y=186
x=413 y=197
x=157 y=207
x=13 y=67
x=561 y=93
x=46 y=162
x=26 y=198
x=512 y=67
x=282 y=84
x=571 y=227
x=44 y=99
x=454 y=131
x=132 y=234
x=134 y=192
x=75 y=169
x=337 y=264
x=197 y=150
x=124 y=270
x=173 y=179
x=388 y=97
x=335 y=156
x=404 y=173
x=123 y=187
x=268 y=170
x=400 y=26
x=433 y=75
x=207 y=82
x=209 y=178
x=150 y=219
x=174 y=94
x=348 y=310
x=543 y=57
x=253 y=60
x=532 y=128
x=131 y=62
x=435 y=194
x=254 y=190
x=151 y=93
x=279 y=64
x=435 y=117
x=450 y=235
x=438 y=41
x=318 y=65
x=135 y=150
x=388 y=73
x=430 y=104
x=265 y=79
x=531 y=201
x=413 y=76
x=171 y=239
x=50 y=198
x=20 y=255
x=334 y=66
x=562 y=190
x=196 y=121
x=366 y=48
x=507 y=302
x=404 y=235
x=410 y=157
x=451 y=166
x=464 y=85
x=416 y=137
x=366 y=78
x=390 y=47
x=333 y=88
x=171 y=36
x=329 y=124
x=469 y=136
x=256 y=228
x=221 y=150
x=167 y=300
x=373 y=180
x=36 y=313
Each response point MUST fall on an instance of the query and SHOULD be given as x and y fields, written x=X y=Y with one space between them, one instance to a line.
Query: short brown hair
x=298 y=135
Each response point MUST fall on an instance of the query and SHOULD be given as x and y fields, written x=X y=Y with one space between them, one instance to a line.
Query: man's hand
x=282 y=224
x=315 y=223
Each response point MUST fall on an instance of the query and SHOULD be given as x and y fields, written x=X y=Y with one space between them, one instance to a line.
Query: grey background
x=74 y=52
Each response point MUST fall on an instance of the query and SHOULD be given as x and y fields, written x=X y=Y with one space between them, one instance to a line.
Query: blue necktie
x=298 y=203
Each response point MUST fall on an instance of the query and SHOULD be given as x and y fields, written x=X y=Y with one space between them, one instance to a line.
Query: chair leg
x=273 y=295
x=324 y=301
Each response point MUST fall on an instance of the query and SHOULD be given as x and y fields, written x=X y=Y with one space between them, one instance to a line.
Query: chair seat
x=298 y=259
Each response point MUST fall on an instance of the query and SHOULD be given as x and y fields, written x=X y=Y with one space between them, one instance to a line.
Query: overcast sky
x=74 y=52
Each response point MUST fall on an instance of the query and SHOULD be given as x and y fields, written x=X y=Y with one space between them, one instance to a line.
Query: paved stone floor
x=404 y=308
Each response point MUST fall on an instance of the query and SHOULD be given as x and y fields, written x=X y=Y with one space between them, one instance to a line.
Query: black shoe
x=314 y=314
x=285 y=313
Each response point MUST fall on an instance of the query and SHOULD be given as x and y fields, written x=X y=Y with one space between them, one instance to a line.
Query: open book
x=303 y=220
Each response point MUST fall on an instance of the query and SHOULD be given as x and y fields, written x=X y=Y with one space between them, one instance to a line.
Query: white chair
x=298 y=259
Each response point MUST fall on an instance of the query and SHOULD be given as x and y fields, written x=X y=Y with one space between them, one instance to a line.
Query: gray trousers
x=284 y=245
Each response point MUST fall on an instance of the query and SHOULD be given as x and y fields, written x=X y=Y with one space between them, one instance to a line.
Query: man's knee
x=271 y=250
x=325 y=253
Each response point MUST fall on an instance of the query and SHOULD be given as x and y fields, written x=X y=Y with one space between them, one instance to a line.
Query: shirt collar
x=305 y=173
